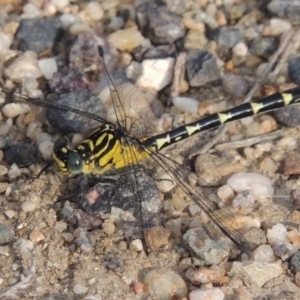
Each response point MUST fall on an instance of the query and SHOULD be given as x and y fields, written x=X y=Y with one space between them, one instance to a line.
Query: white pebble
x=67 y=20
x=277 y=235
x=279 y=26
x=28 y=206
x=259 y=185
x=136 y=245
x=80 y=289
x=12 y=110
x=207 y=294
x=157 y=73
x=264 y=253
x=43 y=137
x=48 y=67
x=14 y=171
x=166 y=286
x=33 y=129
x=31 y=11
x=24 y=66
x=186 y=104
x=59 y=4
x=46 y=149
x=94 y=11
x=240 y=50
x=226 y=193
x=3 y=170
x=134 y=70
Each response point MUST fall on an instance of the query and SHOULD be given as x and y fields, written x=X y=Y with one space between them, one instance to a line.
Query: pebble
x=6 y=234
x=159 y=24
x=239 y=53
x=285 y=251
x=14 y=171
x=48 y=67
x=201 y=67
x=235 y=85
x=94 y=11
x=60 y=4
x=126 y=39
x=203 y=249
x=186 y=104
x=10 y=213
x=264 y=47
x=136 y=245
x=207 y=294
x=279 y=26
x=264 y=253
x=31 y=11
x=22 y=154
x=156 y=73
x=46 y=149
x=203 y=276
x=80 y=289
x=293 y=69
x=259 y=186
x=68 y=122
x=3 y=170
x=25 y=66
x=37 y=34
x=195 y=39
x=11 y=110
x=257 y=272
x=28 y=206
x=36 y=236
x=227 y=37
x=5 y=42
x=277 y=235
x=138 y=288
x=285 y=9
x=288 y=116
x=295 y=262
x=108 y=227
x=84 y=240
x=256 y=236
x=166 y=286
x=116 y=23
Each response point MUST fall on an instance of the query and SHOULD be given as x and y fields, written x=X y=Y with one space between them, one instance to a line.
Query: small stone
x=279 y=26
x=46 y=149
x=291 y=164
x=159 y=24
x=94 y=11
x=11 y=110
x=186 y=104
x=285 y=251
x=48 y=67
x=264 y=253
x=259 y=185
x=207 y=294
x=3 y=170
x=108 y=227
x=156 y=73
x=6 y=234
x=255 y=236
x=28 y=206
x=258 y=273
x=226 y=193
x=295 y=262
x=80 y=289
x=285 y=9
x=264 y=47
x=36 y=236
x=201 y=68
x=14 y=171
x=277 y=235
x=203 y=276
x=138 y=288
x=136 y=245
x=68 y=237
x=235 y=85
x=10 y=213
x=171 y=285
x=37 y=34
x=21 y=154
x=126 y=39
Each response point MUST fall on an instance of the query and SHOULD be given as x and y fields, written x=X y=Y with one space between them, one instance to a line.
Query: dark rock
x=5 y=142
x=162 y=51
x=226 y=38
x=68 y=79
x=201 y=67
x=295 y=262
x=264 y=47
x=286 y=9
x=294 y=69
x=159 y=24
x=38 y=35
x=22 y=154
x=69 y=122
x=288 y=116
x=113 y=263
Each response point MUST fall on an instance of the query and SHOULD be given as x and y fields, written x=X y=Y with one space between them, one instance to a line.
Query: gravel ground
x=185 y=60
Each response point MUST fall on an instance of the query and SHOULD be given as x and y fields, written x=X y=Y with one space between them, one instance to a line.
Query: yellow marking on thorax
x=191 y=129
x=256 y=107
x=161 y=142
x=224 y=117
x=287 y=98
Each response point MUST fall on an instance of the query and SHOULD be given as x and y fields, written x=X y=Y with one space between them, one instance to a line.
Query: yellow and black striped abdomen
x=269 y=103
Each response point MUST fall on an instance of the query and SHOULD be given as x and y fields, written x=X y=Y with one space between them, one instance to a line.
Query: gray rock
x=6 y=234
x=21 y=154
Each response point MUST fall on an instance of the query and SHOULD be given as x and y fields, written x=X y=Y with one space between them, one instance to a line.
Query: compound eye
x=74 y=163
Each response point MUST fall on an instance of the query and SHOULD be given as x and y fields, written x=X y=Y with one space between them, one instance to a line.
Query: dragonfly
x=111 y=148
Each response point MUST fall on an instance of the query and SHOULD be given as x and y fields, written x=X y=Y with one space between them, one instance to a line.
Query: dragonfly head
x=66 y=160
